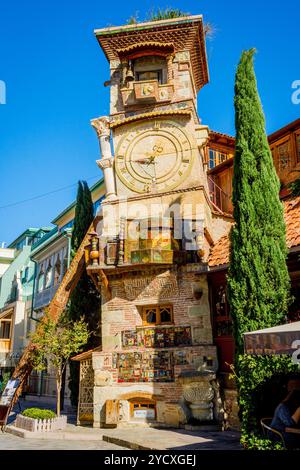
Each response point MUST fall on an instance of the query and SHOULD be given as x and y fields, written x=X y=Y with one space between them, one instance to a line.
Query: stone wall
x=187 y=292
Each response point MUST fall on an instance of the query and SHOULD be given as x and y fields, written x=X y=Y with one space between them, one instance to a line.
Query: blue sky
x=54 y=72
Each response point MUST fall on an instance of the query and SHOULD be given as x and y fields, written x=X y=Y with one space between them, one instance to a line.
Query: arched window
x=57 y=271
x=40 y=283
x=48 y=276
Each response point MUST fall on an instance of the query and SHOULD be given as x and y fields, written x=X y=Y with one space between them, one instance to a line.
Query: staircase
x=220 y=200
x=56 y=307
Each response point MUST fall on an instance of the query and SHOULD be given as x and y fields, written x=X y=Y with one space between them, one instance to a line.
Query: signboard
x=283 y=339
x=144 y=413
x=9 y=392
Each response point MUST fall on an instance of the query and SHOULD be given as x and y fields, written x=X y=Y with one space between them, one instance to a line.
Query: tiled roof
x=292 y=220
x=219 y=254
x=86 y=354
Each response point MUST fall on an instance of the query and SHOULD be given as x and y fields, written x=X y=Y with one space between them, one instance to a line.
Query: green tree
x=85 y=299
x=84 y=215
x=258 y=279
x=55 y=343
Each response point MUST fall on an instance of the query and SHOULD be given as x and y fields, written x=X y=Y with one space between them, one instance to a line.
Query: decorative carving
x=199 y=396
x=105 y=163
x=164 y=287
x=101 y=126
x=94 y=253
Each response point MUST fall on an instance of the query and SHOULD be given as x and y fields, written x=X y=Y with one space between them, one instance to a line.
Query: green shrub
x=251 y=375
x=37 y=413
x=256 y=442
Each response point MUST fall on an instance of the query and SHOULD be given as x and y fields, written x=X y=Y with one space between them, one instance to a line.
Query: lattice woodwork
x=86 y=387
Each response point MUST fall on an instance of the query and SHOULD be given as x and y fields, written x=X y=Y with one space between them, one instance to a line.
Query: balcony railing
x=43 y=298
x=219 y=198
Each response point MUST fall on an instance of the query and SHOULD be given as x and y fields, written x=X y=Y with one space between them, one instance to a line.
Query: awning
x=277 y=340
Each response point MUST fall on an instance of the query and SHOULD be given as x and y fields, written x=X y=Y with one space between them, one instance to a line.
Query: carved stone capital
x=105 y=163
x=101 y=126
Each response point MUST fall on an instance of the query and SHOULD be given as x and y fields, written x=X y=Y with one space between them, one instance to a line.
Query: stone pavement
x=138 y=437
x=173 y=439
x=9 y=442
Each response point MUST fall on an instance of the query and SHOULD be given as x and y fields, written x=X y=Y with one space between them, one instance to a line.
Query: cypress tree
x=258 y=279
x=85 y=299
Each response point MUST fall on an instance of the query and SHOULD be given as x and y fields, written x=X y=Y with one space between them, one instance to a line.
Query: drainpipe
x=31 y=317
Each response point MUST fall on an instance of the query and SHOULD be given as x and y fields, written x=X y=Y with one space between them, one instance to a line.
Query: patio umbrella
x=283 y=339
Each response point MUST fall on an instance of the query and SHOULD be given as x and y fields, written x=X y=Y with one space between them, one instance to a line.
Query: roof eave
x=147 y=25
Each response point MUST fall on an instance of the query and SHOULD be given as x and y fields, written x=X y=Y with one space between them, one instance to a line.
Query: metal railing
x=219 y=198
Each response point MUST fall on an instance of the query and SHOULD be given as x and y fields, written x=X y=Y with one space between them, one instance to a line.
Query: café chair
x=265 y=424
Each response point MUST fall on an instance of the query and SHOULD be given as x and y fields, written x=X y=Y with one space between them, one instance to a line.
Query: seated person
x=287 y=415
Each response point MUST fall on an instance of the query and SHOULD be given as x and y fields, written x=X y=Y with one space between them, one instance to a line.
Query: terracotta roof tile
x=219 y=254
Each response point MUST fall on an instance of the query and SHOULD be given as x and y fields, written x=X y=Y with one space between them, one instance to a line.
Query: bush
x=251 y=375
x=37 y=413
x=255 y=442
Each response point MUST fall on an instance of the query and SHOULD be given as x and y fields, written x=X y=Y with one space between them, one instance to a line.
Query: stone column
x=101 y=126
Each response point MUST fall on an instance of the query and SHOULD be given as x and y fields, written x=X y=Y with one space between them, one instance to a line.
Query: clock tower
x=148 y=255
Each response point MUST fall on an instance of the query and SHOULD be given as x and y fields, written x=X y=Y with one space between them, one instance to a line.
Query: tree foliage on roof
x=295 y=187
x=158 y=15
x=258 y=279
x=166 y=14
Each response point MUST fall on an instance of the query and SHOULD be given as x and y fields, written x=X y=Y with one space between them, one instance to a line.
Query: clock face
x=154 y=156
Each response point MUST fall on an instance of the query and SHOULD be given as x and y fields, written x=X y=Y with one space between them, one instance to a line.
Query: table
x=293 y=430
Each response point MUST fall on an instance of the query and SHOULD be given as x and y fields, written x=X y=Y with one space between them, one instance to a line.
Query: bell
x=129 y=75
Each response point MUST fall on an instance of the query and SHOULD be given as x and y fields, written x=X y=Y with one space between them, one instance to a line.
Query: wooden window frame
x=288 y=140
x=158 y=309
x=218 y=151
x=297 y=147
x=158 y=72
x=4 y=320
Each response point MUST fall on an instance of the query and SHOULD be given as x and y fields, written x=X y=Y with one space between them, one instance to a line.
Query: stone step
x=204 y=427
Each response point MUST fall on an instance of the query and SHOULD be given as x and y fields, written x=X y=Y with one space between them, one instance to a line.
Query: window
x=40 y=284
x=48 y=276
x=150 y=68
x=298 y=147
x=216 y=157
x=149 y=75
x=157 y=314
x=284 y=155
x=5 y=329
x=57 y=271
x=25 y=274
